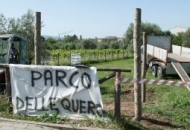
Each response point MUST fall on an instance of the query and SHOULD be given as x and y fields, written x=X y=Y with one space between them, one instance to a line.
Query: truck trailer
x=165 y=59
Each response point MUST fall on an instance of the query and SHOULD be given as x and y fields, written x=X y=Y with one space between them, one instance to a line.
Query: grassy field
x=169 y=104
x=167 y=107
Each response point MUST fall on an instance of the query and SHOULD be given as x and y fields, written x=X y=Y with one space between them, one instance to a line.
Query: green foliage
x=129 y=35
x=87 y=44
x=4 y=105
x=114 y=45
x=69 y=46
x=70 y=39
x=186 y=38
x=149 y=28
x=122 y=45
x=166 y=33
x=45 y=53
x=174 y=103
x=51 y=40
x=54 y=118
x=178 y=39
x=88 y=55
x=130 y=48
x=103 y=45
x=107 y=87
x=170 y=102
x=23 y=26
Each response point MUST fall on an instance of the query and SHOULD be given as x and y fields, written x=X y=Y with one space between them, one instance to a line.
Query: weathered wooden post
x=37 y=39
x=143 y=74
x=117 y=90
x=137 y=64
x=117 y=86
x=58 y=58
x=8 y=83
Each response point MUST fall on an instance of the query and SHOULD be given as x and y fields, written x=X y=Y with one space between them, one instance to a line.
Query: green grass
x=107 y=88
x=171 y=102
x=168 y=101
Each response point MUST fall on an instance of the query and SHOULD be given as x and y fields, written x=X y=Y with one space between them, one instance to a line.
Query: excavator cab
x=8 y=55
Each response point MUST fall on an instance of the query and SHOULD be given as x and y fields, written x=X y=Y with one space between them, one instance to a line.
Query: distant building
x=177 y=30
x=99 y=39
x=110 y=38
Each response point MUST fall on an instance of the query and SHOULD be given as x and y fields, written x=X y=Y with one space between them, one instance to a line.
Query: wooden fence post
x=37 y=39
x=117 y=90
x=143 y=76
x=58 y=58
x=137 y=65
x=8 y=84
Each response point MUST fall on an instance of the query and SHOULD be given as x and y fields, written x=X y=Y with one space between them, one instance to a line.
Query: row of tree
x=83 y=44
x=25 y=27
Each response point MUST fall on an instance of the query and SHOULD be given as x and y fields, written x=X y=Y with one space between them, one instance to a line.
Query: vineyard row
x=62 y=57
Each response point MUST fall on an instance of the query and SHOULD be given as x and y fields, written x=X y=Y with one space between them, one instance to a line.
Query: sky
x=99 y=18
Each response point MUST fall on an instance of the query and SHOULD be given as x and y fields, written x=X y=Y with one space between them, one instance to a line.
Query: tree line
x=25 y=27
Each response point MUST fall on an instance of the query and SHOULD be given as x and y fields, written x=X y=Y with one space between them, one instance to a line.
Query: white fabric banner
x=70 y=91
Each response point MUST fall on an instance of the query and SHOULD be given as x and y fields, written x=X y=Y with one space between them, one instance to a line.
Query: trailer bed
x=177 y=58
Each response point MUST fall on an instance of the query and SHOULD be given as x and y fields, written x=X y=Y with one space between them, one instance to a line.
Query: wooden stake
x=137 y=64
x=8 y=84
x=143 y=76
x=117 y=90
x=37 y=39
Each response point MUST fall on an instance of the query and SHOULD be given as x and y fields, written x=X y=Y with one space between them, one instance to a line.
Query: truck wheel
x=160 y=72
x=154 y=70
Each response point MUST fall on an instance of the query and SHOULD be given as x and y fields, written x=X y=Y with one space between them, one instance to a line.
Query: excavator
x=6 y=57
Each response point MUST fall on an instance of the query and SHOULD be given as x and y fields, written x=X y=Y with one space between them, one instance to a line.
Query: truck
x=165 y=59
x=20 y=44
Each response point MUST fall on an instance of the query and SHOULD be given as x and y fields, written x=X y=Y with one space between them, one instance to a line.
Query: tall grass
x=169 y=101
x=173 y=102
x=107 y=88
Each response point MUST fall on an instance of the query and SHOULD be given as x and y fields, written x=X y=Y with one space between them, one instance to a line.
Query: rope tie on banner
x=157 y=82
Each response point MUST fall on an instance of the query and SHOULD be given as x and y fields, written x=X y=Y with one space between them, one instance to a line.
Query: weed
x=4 y=106
x=173 y=102
x=168 y=101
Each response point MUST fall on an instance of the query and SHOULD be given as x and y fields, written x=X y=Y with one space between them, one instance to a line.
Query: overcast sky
x=99 y=18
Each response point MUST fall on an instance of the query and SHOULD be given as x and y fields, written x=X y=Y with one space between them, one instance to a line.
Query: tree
x=166 y=33
x=69 y=46
x=114 y=45
x=23 y=26
x=103 y=45
x=51 y=40
x=70 y=39
x=87 y=44
x=149 y=28
x=186 y=38
x=129 y=35
x=178 y=39
x=9 y=25
x=45 y=53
